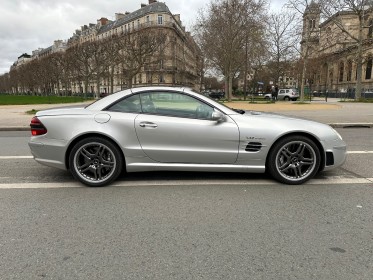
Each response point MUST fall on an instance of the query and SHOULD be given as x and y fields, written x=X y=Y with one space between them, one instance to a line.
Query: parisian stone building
x=180 y=65
x=333 y=54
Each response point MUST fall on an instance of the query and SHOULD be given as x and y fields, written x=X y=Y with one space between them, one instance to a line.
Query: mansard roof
x=156 y=7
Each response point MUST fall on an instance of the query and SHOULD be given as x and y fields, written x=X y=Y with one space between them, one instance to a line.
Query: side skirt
x=138 y=167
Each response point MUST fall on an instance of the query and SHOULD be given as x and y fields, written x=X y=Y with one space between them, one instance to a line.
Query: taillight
x=37 y=128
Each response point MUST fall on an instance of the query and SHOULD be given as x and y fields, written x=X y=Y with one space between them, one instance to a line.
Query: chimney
x=102 y=21
x=127 y=13
x=143 y=5
x=152 y=1
x=119 y=16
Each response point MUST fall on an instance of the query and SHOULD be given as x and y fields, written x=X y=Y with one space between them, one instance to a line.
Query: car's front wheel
x=95 y=161
x=294 y=160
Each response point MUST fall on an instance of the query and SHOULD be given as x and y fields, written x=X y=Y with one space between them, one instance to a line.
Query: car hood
x=271 y=115
x=276 y=124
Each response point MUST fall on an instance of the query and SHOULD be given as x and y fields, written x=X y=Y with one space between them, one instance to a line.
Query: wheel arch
x=308 y=135
x=92 y=134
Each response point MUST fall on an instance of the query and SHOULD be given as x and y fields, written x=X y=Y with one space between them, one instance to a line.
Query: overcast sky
x=26 y=25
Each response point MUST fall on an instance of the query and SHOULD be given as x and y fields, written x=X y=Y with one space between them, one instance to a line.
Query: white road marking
x=16 y=157
x=359 y=152
x=40 y=185
x=325 y=181
x=336 y=180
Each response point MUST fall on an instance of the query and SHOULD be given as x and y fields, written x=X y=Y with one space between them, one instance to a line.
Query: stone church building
x=332 y=53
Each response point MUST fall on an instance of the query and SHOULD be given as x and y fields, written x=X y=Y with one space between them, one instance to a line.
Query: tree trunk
x=86 y=87
x=359 y=65
x=112 y=73
x=303 y=80
x=129 y=82
x=230 y=87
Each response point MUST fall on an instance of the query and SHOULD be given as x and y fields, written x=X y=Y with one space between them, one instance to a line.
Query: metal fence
x=349 y=94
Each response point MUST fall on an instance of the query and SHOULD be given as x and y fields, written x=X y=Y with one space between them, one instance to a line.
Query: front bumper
x=338 y=151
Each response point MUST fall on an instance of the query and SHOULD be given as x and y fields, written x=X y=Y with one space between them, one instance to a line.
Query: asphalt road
x=186 y=225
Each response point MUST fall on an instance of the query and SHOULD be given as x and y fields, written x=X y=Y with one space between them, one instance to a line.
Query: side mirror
x=218 y=117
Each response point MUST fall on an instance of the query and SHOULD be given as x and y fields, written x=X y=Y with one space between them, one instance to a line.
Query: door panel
x=170 y=139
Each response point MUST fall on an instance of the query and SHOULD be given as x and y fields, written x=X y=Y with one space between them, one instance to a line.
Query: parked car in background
x=285 y=94
x=216 y=94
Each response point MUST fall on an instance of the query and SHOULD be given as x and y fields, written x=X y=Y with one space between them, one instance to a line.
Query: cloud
x=26 y=25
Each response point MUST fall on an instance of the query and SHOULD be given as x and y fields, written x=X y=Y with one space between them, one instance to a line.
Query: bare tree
x=283 y=40
x=108 y=61
x=4 y=83
x=224 y=31
x=84 y=69
x=305 y=10
x=139 y=49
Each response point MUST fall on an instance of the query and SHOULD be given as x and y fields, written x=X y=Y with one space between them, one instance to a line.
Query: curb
x=351 y=125
x=334 y=125
x=15 y=128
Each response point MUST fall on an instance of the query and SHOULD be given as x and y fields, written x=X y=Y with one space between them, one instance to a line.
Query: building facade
x=179 y=66
x=333 y=53
x=182 y=57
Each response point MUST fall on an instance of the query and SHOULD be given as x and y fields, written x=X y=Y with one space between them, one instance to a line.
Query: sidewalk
x=333 y=112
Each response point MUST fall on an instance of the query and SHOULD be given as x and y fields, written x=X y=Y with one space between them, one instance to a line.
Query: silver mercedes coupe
x=177 y=129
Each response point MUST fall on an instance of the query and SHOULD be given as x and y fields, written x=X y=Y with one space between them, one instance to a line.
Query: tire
x=286 y=98
x=95 y=161
x=294 y=160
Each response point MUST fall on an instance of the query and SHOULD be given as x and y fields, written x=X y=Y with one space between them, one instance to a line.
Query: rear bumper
x=49 y=152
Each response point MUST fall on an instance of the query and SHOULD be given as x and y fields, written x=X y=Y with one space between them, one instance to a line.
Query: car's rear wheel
x=286 y=98
x=95 y=161
x=294 y=160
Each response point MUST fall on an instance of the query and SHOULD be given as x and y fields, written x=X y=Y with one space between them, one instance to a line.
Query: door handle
x=148 y=124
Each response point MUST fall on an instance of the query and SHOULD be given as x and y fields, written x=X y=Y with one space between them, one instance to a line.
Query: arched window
x=368 y=71
x=331 y=78
x=341 y=71
x=312 y=24
x=349 y=71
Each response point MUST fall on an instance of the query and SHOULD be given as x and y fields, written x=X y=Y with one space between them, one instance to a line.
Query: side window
x=130 y=104
x=282 y=91
x=175 y=104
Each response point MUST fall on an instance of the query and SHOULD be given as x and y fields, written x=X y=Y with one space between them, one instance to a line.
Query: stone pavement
x=338 y=114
